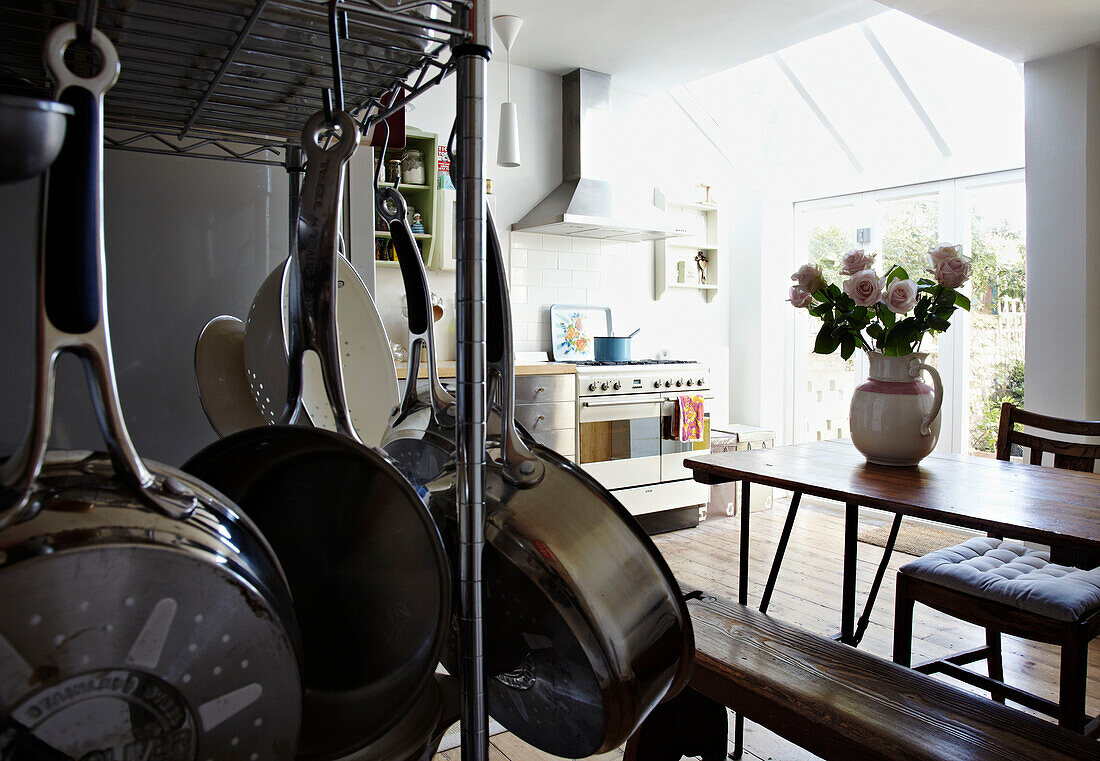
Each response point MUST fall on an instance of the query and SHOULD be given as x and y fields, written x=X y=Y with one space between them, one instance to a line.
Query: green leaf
x=847 y=346
x=938 y=323
x=897 y=272
x=834 y=291
x=962 y=301
x=859 y=315
x=875 y=331
x=826 y=343
x=888 y=318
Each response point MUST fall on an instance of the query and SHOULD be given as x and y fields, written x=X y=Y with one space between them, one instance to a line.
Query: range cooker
x=628 y=440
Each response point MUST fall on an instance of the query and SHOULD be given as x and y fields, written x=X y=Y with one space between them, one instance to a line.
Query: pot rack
x=235 y=80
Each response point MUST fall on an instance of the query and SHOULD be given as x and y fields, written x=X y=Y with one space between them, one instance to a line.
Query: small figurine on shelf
x=417 y=223
x=702 y=261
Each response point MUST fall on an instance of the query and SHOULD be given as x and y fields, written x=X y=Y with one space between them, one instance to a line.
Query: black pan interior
x=366 y=569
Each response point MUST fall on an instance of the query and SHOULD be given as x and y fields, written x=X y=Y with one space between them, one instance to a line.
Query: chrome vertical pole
x=471 y=56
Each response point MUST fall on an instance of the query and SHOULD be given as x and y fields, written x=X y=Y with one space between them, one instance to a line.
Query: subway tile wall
x=557 y=269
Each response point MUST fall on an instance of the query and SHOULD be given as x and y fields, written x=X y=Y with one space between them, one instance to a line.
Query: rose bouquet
x=873 y=313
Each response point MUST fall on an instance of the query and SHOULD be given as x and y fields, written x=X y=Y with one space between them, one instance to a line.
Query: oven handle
x=623 y=402
x=674 y=398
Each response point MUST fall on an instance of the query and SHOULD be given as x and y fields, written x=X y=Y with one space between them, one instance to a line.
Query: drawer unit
x=546 y=406
x=537 y=389
x=547 y=417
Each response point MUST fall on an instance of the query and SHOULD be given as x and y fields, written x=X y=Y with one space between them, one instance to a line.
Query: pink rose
x=943 y=252
x=809 y=278
x=864 y=287
x=856 y=261
x=900 y=296
x=952 y=273
x=800 y=297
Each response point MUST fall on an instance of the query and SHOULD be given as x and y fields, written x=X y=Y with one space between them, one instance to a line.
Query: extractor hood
x=587 y=204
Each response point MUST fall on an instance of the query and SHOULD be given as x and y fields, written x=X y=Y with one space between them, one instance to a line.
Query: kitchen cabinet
x=675 y=264
x=443 y=256
x=546 y=405
x=421 y=197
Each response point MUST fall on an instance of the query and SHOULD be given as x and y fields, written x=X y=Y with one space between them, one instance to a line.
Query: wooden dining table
x=1055 y=507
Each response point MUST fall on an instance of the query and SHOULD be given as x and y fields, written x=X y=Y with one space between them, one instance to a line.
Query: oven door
x=619 y=439
x=674 y=451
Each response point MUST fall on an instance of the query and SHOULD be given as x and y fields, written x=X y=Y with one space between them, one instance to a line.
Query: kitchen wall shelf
x=674 y=265
x=423 y=197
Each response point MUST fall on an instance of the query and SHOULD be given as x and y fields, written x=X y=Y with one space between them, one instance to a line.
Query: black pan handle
x=72 y=292
x=419 y=307
x=519 y=463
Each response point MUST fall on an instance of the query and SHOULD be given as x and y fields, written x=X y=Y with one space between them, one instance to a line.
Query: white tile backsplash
x=554 y=269
x=543 y=259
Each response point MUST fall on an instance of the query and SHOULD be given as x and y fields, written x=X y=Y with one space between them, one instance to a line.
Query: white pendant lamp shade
x=508 y=139
x=507 y=27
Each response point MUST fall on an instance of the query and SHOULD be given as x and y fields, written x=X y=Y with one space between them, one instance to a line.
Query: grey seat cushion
x=1012 y=574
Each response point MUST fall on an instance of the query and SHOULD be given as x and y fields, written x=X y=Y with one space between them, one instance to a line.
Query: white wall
x=1063 y=234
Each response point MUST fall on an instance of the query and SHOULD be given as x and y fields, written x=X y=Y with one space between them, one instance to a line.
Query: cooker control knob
x=679 y=383
x=668 y=383
x=690 y=382
x=591 y=386
x=700 y=381
x=603 y=386
x=656 y=384
x=616 y=385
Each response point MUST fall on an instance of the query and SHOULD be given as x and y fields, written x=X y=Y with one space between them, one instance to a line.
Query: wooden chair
x=1007 y=588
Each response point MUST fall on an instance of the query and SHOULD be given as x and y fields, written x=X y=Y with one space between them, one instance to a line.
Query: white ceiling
x=1020 y=30
x=650 y=46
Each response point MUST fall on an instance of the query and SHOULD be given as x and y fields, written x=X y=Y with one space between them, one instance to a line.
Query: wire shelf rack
x=237 y=79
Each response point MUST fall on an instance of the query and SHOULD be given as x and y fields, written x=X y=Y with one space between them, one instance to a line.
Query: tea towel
x=691 y=417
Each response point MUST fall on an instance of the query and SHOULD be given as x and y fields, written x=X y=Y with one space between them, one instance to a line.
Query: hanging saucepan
x=143 y=615
x=364 y=559
x=585 y=629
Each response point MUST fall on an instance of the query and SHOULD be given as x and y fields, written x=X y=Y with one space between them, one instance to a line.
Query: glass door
x=824 y=232
x=993 y=209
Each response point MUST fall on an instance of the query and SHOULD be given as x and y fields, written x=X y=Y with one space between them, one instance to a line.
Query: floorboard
x=808 y=595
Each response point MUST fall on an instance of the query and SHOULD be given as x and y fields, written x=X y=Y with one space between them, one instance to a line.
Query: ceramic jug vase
x=895 y=417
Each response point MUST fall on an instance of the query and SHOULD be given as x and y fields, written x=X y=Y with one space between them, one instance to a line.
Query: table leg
x=872 y=595
x=743 y=558
x=743 y=599
x=780 y=551
x=848 y=594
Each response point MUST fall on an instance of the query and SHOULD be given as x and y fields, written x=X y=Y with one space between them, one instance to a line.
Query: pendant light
x=507 y=28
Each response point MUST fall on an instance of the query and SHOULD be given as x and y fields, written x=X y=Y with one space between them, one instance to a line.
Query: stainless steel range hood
x=586 y=204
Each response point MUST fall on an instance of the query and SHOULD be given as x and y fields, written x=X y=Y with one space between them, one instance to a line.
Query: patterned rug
x=913 y=538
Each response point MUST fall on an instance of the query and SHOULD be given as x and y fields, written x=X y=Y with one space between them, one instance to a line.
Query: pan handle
x=72 y=293
x=421 y=330
x=519 y=463
x=313 y=283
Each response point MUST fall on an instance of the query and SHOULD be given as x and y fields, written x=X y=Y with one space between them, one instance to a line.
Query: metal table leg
x=780 y=552
x=848 y=585
x=865 y=619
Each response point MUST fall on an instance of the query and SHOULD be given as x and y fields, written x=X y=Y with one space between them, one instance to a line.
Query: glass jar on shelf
x=393 y=171
x=412 y=167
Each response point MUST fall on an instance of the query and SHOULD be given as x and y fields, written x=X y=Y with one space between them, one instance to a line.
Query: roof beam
x=906 y=90
x=707 y=125
x=821 y=117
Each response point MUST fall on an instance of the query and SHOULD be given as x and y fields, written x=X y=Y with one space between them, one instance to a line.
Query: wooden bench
x=833 y=700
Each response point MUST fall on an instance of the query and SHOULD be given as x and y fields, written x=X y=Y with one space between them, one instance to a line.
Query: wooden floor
x=808 y=594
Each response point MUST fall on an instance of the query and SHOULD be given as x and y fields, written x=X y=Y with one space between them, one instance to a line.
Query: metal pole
x=471 y=397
